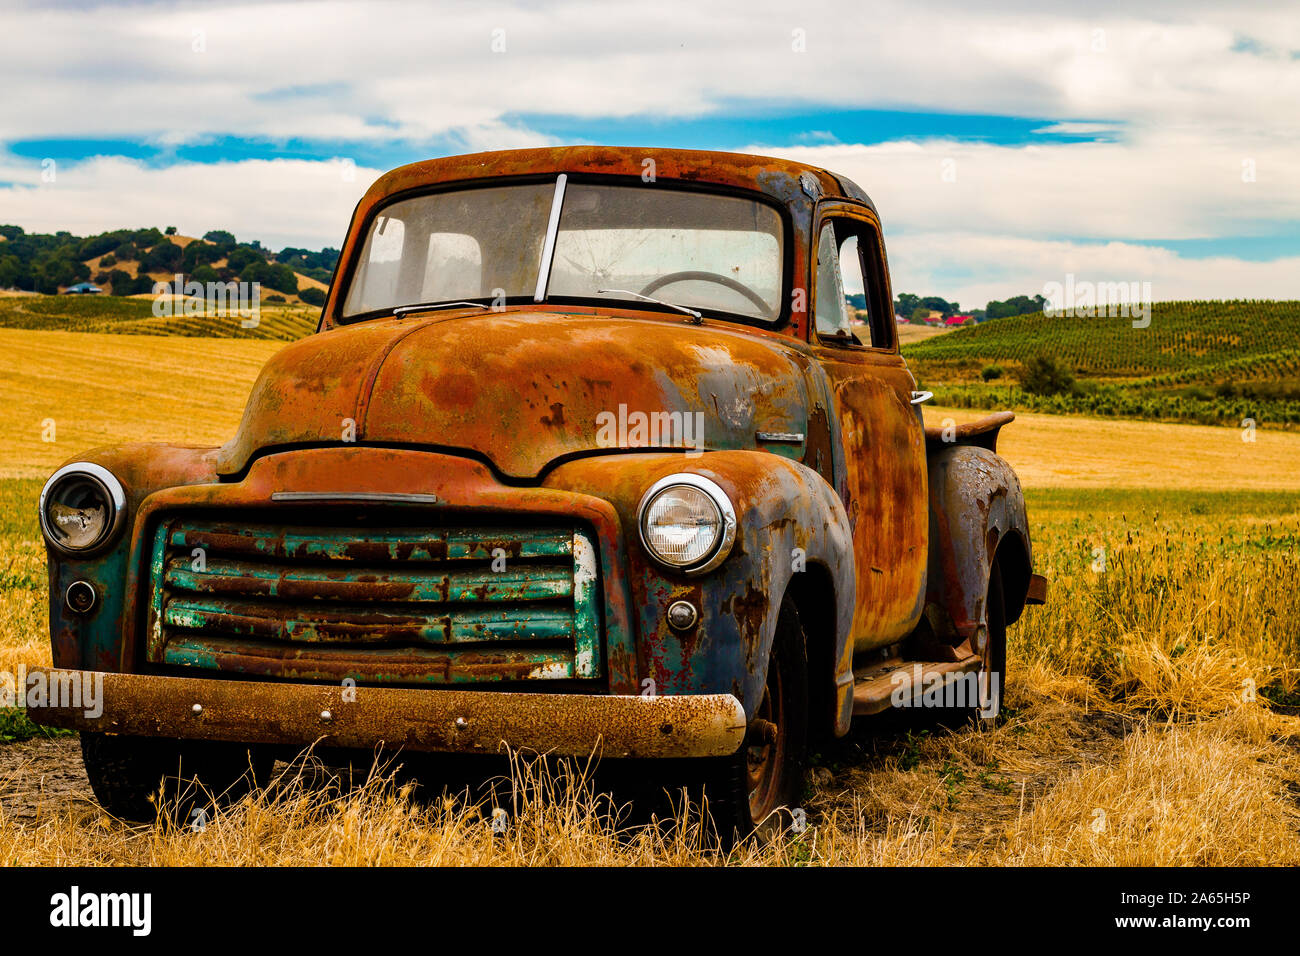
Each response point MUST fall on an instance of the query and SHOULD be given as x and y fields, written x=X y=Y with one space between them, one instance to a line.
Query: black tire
x=126 y=774
x=989 y=688
x=737 y=803
x=995 y=666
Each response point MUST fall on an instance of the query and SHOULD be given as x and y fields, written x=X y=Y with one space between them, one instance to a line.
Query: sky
x=1006 y=145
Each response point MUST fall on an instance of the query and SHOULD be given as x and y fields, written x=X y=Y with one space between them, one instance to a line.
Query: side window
x=849 y=298
x=831 y=314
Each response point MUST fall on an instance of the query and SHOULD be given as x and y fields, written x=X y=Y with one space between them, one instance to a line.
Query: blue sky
x=734 y=126
x=1005 y=146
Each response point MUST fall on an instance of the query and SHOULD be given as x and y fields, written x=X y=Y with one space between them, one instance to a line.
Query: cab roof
x=782 y=179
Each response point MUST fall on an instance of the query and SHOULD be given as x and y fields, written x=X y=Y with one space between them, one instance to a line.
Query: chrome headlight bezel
x=114 y=496
x=727 y=513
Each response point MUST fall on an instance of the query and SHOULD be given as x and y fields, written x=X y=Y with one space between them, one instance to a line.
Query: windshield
x=693 y=249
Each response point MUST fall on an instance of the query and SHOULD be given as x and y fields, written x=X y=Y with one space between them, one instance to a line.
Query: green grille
x=408 y=604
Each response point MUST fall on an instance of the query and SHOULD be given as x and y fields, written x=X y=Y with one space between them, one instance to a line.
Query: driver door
x=886 y=493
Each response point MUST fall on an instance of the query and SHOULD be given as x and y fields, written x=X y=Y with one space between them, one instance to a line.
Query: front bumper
x=450 y=721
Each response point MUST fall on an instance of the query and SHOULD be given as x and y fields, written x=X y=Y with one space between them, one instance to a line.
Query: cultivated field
x=1207 y=362
x=1149 y=717
x=134 y=315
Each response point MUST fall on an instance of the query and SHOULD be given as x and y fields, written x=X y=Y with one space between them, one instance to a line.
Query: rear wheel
x=993 y=656
x=195 y=776
x=981 y=696
x=744 y=791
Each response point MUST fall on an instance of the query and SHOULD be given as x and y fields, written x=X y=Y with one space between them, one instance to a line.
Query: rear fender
x=977 y=516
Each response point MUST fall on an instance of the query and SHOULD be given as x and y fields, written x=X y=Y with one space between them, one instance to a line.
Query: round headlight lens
x=687 y=522
x=81 y=506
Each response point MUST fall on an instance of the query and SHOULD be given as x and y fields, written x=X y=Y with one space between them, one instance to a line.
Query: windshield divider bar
x=548 y=250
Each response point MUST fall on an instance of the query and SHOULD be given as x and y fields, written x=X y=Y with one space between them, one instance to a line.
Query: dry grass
x=1218 y=793
x=192 y=390
x=1031 y=792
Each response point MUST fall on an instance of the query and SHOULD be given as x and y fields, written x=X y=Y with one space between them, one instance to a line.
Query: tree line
x=43 y=262
x=916 y=308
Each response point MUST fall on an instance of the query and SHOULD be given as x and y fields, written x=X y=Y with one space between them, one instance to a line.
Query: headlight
x=82 y=507
x=687 y=522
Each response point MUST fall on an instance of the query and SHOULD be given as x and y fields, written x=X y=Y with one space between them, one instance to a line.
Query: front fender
x=94 y=641
x=790 y=521
x=976 y=506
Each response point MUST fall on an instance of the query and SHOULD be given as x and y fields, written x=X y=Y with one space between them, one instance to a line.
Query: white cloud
x=973 y=269
x=1080 y=129
x=330 y=69
x=281 y=202
x=1158 y=185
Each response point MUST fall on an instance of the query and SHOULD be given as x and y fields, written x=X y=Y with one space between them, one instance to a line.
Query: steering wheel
x=721 y=280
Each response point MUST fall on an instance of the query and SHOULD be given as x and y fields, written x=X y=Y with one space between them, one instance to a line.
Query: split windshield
x=698 y=250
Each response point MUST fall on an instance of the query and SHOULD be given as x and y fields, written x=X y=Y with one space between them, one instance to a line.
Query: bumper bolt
x=461 y=723
x=326 y=716
x=197 y=709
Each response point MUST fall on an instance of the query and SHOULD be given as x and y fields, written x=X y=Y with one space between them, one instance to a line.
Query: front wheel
x=128 y=773
x=744 y=791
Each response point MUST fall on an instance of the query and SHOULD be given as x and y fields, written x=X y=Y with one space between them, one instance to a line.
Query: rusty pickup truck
x=595 y=450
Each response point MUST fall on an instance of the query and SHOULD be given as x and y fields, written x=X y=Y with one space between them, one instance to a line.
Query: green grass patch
x=15 y=726
x=18 y=500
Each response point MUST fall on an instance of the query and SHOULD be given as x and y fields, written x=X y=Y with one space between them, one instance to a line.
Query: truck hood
x=524 y=388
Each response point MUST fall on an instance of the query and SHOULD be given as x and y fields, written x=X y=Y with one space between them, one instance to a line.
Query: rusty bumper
x=453 y=721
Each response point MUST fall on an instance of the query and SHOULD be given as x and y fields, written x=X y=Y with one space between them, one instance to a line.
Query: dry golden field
x=85 y=389
x=908 y=333
x=1068 y=451
x=1149 y=715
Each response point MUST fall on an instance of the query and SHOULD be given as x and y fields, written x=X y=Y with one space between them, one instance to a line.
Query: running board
x=877 y=686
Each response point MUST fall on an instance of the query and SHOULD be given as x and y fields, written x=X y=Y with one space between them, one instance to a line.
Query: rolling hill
x=1193 y=340
x=127 y=262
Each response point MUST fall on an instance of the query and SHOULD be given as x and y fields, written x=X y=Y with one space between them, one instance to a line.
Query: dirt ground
x=42 y=777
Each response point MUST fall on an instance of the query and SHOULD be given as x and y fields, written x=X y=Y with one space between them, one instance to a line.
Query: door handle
x=921 y=397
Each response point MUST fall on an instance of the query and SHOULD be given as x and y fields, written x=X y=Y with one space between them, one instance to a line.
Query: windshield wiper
x=424 y=306
x=698 y=316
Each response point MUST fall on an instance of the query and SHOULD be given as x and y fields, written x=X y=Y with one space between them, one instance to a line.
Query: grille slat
x=352 y=583
x=424 y=604
x=403 y=545
x=304 y=622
